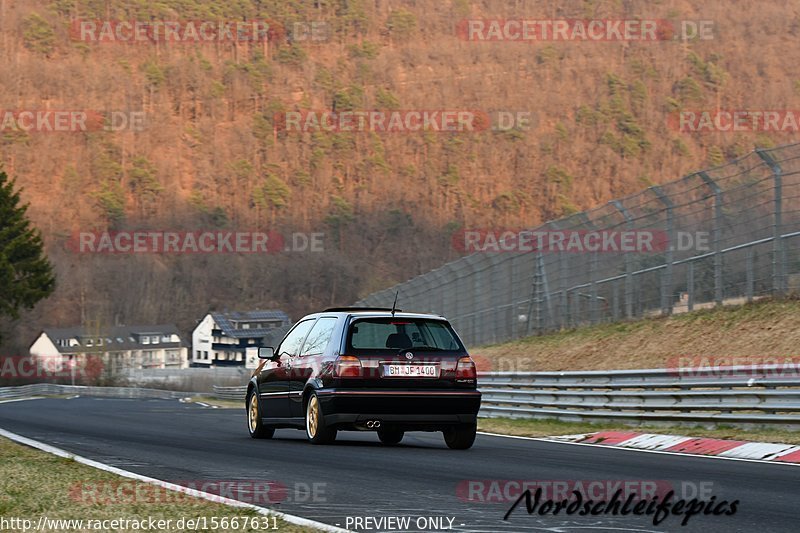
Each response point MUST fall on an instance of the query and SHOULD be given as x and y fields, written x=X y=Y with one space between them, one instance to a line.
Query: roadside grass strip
x=47 y=488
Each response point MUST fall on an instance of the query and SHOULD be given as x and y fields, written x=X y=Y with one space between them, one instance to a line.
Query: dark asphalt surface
x=359 y=477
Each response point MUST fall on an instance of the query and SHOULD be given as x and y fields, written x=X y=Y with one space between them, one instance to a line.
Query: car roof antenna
x=394 y=305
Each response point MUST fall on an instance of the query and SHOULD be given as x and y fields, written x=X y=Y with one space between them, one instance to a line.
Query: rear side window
x=319 y=336
x=402 y=333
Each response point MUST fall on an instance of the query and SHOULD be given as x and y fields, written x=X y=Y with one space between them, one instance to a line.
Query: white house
x=119 y=347
x=222 y=339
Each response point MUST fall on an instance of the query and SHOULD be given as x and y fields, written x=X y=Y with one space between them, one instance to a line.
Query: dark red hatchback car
x=366 y=369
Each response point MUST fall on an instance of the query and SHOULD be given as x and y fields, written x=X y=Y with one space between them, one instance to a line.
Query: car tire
x=316 y=431
x=390 y=436
x=254 y=424
x=460 y=437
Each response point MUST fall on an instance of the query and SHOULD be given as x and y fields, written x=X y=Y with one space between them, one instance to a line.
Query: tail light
x=347 y=366
x=466 y=369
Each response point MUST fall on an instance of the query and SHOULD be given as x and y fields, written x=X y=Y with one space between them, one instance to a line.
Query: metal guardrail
x=732 y=395
x=230 y=393
x=54 y=389
x=767 y=395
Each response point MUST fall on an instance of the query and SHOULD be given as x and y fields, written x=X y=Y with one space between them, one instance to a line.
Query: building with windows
x=118 y=347
x=222 y=338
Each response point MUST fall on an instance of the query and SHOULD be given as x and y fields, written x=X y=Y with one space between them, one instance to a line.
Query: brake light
x=465 y=369
x=347 y=366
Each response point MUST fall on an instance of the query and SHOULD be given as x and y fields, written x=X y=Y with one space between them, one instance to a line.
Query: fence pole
x=535 y=306
x=576 y=307
x=496 y=280
x=593 y=267
x=450 y=306
x=563 y=280
x=551 y=320
x=666 y=277
x=628 y=261
x=509 y=321
x=474 y=295
x=778 y=257
x=749 y=273
x=716 y=230
x=514 y=298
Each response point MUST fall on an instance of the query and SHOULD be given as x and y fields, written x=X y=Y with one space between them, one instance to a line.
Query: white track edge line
x=292 y=519
x=607 y=447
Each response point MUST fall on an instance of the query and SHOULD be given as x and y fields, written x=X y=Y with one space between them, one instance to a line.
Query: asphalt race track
x=359 y=477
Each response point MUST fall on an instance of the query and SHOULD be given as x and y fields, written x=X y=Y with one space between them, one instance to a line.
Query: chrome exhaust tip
x=377 y=424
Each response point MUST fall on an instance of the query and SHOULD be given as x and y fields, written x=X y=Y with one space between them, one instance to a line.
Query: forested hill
x=210 y=153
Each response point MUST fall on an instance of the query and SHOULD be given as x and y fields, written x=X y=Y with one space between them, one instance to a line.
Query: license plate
x=410 y=371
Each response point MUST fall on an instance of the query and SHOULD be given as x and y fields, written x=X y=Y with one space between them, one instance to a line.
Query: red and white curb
x=731 y=449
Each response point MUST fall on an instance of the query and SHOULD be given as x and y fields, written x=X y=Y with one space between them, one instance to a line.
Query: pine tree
x=26 y=275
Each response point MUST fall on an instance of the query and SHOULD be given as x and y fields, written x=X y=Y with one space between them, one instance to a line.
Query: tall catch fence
x=731 y=234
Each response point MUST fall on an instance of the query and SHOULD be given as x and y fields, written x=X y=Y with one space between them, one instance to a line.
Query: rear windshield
x=402 y=333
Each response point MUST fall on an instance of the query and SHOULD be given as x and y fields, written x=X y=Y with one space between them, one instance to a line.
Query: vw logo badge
x=409 y=355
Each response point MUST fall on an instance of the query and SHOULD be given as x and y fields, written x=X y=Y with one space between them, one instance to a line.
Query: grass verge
x=763 y=331
x=548 y=428
x=35 y=484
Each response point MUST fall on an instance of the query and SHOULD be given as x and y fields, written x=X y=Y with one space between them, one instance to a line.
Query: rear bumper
x=410 y=409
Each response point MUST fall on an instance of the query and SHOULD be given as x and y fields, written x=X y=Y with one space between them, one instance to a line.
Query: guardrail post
x=628 y=261
x=717 y=235
x=778 y=255
x=666 y=277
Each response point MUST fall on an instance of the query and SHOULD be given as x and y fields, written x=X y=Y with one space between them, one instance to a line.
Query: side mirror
x=267 y=352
